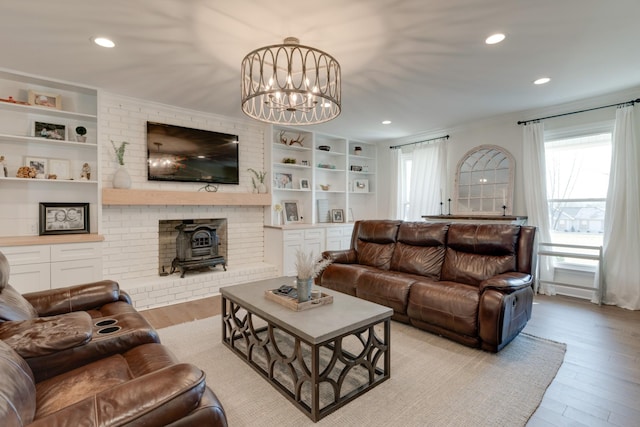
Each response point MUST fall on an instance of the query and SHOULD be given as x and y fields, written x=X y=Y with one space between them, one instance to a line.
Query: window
x=577 y=182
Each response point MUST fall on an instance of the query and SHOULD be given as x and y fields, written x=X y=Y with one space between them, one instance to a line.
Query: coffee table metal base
x=310 y=369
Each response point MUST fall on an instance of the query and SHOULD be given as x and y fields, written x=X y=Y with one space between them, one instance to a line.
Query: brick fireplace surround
x=131 y=248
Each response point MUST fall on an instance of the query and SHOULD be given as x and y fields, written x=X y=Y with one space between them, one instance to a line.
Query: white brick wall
x=131 y=246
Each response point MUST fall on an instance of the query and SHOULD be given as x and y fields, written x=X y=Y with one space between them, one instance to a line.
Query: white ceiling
x=421 y=63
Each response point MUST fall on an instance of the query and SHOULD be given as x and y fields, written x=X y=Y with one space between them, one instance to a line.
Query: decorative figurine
x=4 y=167
x=86 y=172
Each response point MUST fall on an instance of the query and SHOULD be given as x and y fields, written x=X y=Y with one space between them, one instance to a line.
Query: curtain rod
x=633 y=101
x=394 y=147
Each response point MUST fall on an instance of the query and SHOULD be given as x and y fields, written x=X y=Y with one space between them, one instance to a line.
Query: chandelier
x=290 y=84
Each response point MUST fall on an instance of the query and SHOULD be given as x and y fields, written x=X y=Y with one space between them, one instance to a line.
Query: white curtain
x=622 y=216
x=534 y=173
x=428 y=176
x=395 y=190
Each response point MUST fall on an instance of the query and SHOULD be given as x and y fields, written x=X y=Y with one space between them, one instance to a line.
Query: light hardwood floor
x=597 y=385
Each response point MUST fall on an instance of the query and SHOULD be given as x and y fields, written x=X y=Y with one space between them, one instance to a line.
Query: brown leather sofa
x=83 y=355
x=471 y=283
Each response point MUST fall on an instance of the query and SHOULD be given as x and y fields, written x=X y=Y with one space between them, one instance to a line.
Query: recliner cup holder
x=106 y=322
x=109 y=330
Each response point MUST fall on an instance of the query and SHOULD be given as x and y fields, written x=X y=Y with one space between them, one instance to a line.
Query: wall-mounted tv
x=180 y=154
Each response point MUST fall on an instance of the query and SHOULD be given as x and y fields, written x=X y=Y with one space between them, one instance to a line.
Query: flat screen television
x=180 y=154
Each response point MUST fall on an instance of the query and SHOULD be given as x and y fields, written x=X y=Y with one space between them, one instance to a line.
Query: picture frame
x=304 y=184
x=59 y=167
x=283 y=180
x=50 y=131
x=39 y=164
x=337 y=215
x=44 y=99
x=291 y=212
x=64 y=218
x=361 y=186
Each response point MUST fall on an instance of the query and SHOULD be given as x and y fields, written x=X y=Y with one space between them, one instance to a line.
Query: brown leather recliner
x=100 y=315
x=468 y=282
x=143 y=386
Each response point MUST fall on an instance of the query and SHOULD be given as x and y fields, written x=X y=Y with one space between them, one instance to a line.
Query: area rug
x=434 y=381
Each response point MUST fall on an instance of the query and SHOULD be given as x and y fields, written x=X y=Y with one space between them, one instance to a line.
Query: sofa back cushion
x=17 y=389
x=374 y=242
x=476 y=252
x=420 y=248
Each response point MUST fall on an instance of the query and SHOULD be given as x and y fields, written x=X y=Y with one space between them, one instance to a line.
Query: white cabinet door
x=289 y=256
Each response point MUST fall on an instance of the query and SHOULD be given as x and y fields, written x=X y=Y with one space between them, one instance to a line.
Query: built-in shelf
x=114 y=196
x=50 y=240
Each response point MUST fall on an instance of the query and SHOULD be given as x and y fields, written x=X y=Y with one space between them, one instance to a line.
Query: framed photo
x=304 y=184
x=60 y=168
x=64 y=218
x=283 y=180
x=39 y=164
x=43 y=99
x=361 y=186
x=337 y=215
x=49 y=131
x=291 y=212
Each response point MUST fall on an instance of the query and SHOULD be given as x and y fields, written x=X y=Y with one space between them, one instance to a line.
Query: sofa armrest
x=346 y=256
x=506 y=282
x=47 y=335
x=154 y=399
x=75 y=298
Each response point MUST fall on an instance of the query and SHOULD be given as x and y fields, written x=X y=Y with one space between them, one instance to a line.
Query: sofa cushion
x=72 y=387
x=388 y=288
x=375 y=242
x=343 y=277
x=476 y=252
x=17 y=389
x=420 y=249
x=13 y=306
x=449 y=305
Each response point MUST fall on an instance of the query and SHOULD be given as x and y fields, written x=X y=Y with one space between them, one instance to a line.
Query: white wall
x=131 y=232
x=505 y=132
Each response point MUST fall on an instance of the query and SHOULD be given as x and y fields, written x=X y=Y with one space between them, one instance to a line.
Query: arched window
x=484 y=181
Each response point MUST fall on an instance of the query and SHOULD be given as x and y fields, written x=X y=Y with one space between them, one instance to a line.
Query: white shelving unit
x=21 y=144
x=322 y=173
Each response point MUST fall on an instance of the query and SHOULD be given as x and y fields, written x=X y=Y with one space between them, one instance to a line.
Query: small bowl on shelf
x=324 y=148
x=325 y=187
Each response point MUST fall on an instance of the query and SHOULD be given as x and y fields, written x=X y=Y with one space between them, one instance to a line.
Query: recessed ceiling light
x=542 y=81
x=104 y=42
x=495 y=38
x=386 y=122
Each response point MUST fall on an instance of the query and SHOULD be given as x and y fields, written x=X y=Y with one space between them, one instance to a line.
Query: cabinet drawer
x=68 y=273
x=313 y=234
x=334 y=232
x=74 y=251
x=23 y=255
x=30 y=278
x=293 y=235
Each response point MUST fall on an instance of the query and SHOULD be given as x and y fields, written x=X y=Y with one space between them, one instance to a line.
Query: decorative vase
x=304 y=289
x=81 y=138
x=121 y=179
x=262 y=188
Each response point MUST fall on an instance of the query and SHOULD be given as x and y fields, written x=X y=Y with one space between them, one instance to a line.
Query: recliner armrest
x=507 y=282
x=157 y=398
x=346 y=256
x=47 y=335
x=76 y=298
